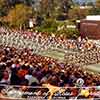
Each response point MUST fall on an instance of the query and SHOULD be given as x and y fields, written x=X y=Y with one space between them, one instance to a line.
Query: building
x=90 y=27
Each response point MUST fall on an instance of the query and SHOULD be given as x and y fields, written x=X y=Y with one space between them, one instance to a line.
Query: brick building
x=90 y=27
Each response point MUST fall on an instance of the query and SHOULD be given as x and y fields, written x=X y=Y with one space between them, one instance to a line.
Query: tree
x=64 y=8
x=98 y=4
x=96 y=10
x=66 y=5
x=78 y=13
x=19 y=15
x=56 y=9
x=3 y=8
x=46 y=8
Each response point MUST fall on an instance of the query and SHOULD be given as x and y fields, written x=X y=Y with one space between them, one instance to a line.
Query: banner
x=48 y=92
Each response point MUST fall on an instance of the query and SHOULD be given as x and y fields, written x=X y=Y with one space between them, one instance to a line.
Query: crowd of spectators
x=84 y=57
x=22 y=67
x=43 y=41
x=19 y=65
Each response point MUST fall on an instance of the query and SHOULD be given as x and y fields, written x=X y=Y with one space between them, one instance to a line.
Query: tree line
x=16 y=13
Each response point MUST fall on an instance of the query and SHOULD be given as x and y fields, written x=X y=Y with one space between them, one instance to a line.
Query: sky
x=82 y=1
